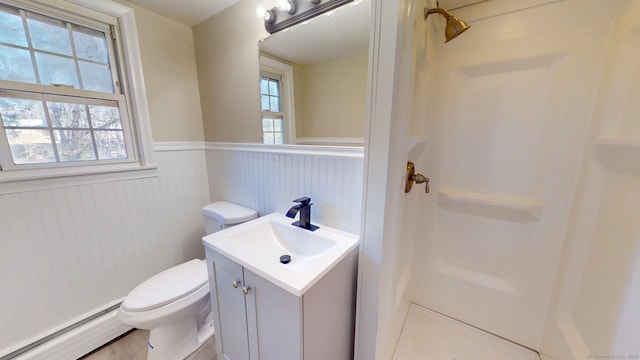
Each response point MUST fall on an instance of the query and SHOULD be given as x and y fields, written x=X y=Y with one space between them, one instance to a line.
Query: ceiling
x=190 y=12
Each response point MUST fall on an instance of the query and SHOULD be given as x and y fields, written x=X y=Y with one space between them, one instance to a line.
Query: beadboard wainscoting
x=267 y=178
x=69 y=252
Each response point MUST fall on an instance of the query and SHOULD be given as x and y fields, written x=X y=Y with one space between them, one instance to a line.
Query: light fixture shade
x=292 y=7
x=269 y=17
x=288 y=6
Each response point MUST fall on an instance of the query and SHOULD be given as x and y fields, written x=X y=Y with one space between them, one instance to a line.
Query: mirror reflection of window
x=272 y=116
x=276 y=99
x=270 y=92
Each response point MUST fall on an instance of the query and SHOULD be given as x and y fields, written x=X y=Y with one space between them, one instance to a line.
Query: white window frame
x=285 y=71
x=132 y=82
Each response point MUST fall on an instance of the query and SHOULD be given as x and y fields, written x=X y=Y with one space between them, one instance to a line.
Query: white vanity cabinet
x=256 y=319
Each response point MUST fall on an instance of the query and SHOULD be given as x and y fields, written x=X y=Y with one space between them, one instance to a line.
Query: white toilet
x=175 y=304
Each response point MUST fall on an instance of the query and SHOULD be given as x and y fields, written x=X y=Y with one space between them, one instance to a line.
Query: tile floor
x=133 y=346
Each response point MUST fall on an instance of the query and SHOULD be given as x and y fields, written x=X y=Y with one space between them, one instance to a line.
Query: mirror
x=314 y=78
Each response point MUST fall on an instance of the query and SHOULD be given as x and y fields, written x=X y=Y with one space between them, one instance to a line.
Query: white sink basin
x=258 y=245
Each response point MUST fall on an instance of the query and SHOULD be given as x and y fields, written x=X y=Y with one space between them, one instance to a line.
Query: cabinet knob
x=245 y=290
x=235 y=284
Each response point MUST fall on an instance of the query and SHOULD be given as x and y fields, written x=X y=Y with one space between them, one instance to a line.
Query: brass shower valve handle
x=419 y=179
x=412 y=177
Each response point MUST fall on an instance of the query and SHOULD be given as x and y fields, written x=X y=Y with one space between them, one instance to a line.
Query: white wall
x=69 y=251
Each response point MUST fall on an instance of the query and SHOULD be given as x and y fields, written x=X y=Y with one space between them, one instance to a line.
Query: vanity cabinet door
x=228 y=303
x=274 y=320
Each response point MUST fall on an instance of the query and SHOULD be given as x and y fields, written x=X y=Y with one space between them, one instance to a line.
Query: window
x=272 y=114
x=63 y=99
x=276 y=98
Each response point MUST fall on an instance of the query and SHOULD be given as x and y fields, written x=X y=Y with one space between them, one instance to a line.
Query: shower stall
x=527 y=127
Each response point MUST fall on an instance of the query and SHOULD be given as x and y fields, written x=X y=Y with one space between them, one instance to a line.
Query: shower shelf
x=618 y=154
x=511 y=209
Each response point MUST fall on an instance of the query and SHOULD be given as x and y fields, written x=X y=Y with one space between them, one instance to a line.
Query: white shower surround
x=581 y=320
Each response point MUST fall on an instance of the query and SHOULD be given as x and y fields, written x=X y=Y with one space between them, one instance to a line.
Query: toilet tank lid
x=227 y=213
x=167 y=286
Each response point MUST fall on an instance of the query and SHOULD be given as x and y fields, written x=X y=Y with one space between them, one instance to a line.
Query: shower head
x=454 y=26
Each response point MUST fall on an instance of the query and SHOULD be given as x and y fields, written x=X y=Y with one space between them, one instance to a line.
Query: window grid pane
x=21 y=113
x=30 y=146
x=54 y=69
x=68 y=115
x=96 y=77
x=74 y=145
x=16 y=65
x=105 y=117
x=48 y=34
x=90 y=44
x=12 y=28
x=111 y=145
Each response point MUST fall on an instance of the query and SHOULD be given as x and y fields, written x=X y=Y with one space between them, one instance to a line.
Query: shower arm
x=440 y=11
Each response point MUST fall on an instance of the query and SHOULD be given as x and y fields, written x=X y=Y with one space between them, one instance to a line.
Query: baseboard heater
x=76 y=339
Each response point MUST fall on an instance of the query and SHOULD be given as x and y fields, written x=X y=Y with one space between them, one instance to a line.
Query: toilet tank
x=223 y=214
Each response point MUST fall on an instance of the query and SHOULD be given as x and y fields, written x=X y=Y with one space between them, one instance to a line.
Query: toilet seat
x=167 y=287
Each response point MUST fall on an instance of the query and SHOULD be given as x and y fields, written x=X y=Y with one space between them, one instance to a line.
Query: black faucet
x=304 y=207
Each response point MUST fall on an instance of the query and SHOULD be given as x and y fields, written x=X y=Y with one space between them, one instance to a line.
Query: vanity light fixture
x=287 y=13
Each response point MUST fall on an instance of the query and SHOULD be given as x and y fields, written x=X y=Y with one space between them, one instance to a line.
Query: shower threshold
x=428 y=335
